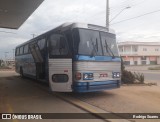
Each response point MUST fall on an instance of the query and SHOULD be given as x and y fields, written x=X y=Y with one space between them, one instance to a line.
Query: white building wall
x=140 y=49
x=158 y=60
x=151 y=50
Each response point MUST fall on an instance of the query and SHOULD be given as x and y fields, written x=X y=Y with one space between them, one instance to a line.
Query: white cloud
x=52 y=13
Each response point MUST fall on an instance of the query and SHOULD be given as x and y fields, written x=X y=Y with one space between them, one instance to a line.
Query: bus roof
x=69 y=25
x=83 y=25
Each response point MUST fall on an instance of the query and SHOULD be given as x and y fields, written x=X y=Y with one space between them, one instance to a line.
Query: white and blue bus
x=73 y=57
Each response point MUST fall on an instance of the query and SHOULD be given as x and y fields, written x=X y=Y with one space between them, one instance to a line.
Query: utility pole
x=33 y=35
x=107 y=14
x=5 y=53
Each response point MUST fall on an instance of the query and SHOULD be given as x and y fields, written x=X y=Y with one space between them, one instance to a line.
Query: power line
x=131 y=4
x=119 y=14
x=136 y=17
x=139 y=3
x=120 y=5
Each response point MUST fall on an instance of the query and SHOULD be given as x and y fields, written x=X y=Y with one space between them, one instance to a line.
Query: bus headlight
x=116 y=74
x=87 y=76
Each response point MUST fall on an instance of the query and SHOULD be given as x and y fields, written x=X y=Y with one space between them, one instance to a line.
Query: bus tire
x=21 y=73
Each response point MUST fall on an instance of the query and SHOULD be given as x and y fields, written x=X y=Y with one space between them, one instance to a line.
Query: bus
x=73 y=57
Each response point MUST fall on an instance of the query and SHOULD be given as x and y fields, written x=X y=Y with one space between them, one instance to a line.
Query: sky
x=52 y=13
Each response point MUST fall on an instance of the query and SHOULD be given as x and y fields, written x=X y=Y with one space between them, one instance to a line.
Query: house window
x=135 y=49
x=144 y=58
x=144 y=49
x=156 y=49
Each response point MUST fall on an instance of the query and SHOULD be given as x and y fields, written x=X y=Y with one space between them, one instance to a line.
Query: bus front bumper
x=96 y=86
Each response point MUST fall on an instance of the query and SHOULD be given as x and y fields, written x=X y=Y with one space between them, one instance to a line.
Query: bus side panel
x=59 y=69
x=26 y=62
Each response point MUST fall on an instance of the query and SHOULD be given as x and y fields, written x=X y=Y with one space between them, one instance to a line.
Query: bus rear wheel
x=21 y=73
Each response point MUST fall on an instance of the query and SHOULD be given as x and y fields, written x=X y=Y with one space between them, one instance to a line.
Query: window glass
x=157 y=49
x=41 y=44
x=63 y=47
x=87 y=42
x=21 y=50
x=17 y=51
x=144 y=49
x=109 y=44
x=26 y=49
x=58 y=45
x=144 y=58
x=94 y=43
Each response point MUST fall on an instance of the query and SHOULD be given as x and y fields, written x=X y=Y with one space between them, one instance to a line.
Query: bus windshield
x=94 y=43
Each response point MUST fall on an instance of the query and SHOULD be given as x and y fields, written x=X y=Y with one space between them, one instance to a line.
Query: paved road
x=150 y=75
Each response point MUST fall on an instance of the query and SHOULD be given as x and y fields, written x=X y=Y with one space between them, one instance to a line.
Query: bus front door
x=60 y=75
x=60 y=64
x=38 y=59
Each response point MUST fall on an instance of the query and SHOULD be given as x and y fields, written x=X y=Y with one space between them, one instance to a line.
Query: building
x=10 y=62
x=140 y=53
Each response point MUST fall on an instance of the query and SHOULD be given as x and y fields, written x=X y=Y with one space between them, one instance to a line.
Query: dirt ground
x=127 y=99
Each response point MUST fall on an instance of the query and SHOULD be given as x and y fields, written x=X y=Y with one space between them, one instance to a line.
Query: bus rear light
x=78 y=76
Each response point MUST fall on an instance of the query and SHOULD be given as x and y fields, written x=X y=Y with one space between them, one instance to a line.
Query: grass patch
x=154 y=68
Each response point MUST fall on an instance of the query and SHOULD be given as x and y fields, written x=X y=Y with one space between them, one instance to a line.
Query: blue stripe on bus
x=96 y=58
x=96 y=86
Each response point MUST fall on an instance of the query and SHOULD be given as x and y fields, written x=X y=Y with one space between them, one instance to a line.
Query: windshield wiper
x=107 y=47
x=94 y=48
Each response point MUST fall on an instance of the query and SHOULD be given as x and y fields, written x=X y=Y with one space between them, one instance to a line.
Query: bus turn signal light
x=78 y=76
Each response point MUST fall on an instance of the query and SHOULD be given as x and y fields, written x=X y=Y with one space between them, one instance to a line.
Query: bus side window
x=41 y=44
x=26 y=49
x=21 y=50
x=17 y=51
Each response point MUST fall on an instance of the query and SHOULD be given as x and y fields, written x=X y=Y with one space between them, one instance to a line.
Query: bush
x=129 y=77
x=139 y=77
